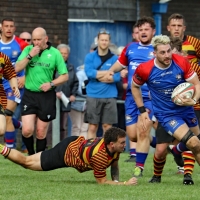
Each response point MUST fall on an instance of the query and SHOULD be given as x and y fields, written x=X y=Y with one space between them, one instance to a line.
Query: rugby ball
x=185 y=90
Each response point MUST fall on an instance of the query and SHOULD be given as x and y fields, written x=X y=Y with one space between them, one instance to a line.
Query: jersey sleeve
x=8 y=69
x=99 y=165
x=139 y=77
x=123 y=60
x=188 y=71
x=21 y=43
x=185 y=65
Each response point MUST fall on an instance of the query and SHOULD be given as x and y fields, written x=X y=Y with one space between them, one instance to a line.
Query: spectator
x=26 y=37
x=69 y=89
x=41 y=60
x=101 y=93
x=79 y=127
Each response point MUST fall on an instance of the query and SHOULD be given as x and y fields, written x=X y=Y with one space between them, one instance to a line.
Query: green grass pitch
x=17 y=183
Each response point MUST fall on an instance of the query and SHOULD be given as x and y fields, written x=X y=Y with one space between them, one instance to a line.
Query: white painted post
x=56 y=125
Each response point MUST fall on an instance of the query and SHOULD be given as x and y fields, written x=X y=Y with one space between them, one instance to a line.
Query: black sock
x=29 y=143
x=41 y=144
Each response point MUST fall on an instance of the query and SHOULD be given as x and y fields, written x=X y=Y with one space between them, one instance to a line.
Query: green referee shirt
x=42 y=67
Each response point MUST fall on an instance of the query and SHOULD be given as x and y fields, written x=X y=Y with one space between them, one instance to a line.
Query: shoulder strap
x=110 y=55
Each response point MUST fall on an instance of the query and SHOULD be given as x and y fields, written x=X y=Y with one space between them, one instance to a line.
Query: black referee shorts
x=43 y=104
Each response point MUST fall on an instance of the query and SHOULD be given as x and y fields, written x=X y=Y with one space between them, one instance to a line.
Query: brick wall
x=190 y=10
x=118 y=10
x=29 y=14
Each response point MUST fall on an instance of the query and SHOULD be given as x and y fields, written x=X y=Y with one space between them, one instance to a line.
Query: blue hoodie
x=95 y=88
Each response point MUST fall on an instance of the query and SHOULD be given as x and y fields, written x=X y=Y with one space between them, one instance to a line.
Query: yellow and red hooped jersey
x=191 y=49
x=6 y=71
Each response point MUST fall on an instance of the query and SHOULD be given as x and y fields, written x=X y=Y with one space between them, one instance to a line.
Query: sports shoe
x=131 y=159
x=177 y=158
x=155 y=179
x=187 y=180
x=137 y=172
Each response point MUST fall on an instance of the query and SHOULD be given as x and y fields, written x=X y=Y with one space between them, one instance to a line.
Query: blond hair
x=160 y=39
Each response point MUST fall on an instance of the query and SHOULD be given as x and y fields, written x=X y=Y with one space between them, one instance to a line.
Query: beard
x=165 y=63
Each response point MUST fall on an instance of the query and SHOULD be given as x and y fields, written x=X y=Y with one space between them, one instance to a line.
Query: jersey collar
x=48 y=47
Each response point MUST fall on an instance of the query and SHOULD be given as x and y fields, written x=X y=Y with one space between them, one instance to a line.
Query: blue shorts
x=172 y=122
x=12 y=97
x=132 y=112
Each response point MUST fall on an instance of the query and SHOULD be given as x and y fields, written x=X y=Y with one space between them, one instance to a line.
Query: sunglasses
x=104 y=32
x=27 y=40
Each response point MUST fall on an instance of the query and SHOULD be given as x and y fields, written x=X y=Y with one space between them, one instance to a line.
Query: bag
x=78 y=106
x=84 y=84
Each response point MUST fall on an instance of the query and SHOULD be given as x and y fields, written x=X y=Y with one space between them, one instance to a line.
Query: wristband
x=142 y=109
x=29 y=57
x=124 y=182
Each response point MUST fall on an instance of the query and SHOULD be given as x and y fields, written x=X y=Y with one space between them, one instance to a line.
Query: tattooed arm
x=114 y=170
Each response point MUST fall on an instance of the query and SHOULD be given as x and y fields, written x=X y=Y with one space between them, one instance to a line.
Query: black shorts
x=162 y=136
x=54 y=158
x=43 y=104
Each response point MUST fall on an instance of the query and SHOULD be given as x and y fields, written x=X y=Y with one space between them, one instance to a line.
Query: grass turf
x=18 y=183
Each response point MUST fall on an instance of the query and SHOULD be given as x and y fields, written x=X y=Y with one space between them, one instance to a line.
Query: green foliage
x=18 y=183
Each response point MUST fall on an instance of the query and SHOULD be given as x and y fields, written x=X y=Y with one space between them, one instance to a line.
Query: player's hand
x=132 y=181
x=186 y=101
x=34 y=51
x=45 y=87
x=16 y=92
x=124 y=73
x=143 y=120
x=21 y=81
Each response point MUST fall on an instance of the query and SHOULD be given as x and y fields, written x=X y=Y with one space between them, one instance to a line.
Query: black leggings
x=54 y=158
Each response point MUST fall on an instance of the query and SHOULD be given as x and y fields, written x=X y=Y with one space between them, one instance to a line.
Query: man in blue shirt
x=101 y=93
